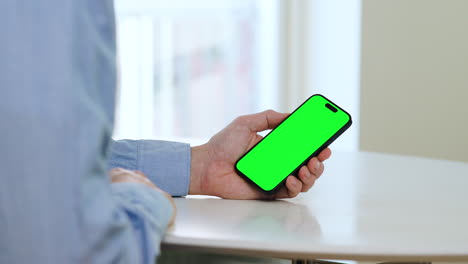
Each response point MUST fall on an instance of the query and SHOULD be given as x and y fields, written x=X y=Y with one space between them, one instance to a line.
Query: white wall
x=414 y=77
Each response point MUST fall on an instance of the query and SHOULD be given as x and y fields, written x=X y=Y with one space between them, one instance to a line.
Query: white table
x=366 y=206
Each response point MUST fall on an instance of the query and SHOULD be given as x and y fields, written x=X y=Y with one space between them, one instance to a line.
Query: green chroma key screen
x=309 y=129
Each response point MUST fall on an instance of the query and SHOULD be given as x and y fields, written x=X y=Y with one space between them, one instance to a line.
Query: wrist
x=198 y=164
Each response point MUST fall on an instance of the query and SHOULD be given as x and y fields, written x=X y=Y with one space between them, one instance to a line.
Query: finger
x=139 y=172
x=139 y=176
x=325 y=154
x=117 y=171
x=293 y=186
x=315 y=167
x=268 y=119
x=307 y=178
x=120 y=174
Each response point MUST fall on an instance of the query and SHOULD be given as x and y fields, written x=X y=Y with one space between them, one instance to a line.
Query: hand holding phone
x=304 y=134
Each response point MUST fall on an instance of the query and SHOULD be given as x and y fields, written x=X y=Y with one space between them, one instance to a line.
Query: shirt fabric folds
x=57 y=90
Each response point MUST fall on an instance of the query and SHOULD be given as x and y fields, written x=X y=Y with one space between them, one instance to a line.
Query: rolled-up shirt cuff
x=166 y=163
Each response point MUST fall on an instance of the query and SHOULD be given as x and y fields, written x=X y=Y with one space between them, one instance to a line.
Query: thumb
x=268 y=119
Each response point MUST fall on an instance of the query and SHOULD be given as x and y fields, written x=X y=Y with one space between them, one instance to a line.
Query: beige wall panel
x=414 y=78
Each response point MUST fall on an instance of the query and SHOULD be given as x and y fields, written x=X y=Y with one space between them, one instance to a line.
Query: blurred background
x=187 y=68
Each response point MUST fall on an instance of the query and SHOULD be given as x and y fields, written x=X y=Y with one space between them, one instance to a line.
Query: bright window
x=187 y=68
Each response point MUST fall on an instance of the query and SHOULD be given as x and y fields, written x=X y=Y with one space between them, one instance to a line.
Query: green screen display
x=315 y=123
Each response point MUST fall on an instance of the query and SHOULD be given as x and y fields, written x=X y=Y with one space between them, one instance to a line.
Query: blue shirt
x=57 y=89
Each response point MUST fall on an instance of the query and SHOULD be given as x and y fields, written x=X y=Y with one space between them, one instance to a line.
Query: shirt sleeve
x=149 y=212
x=166 y=163
x=57 y=79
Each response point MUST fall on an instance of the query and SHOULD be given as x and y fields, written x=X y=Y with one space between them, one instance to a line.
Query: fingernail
x=294 y=183
x=317 y=165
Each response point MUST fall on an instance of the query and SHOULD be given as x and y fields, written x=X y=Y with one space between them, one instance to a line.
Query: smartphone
x=302 y=135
